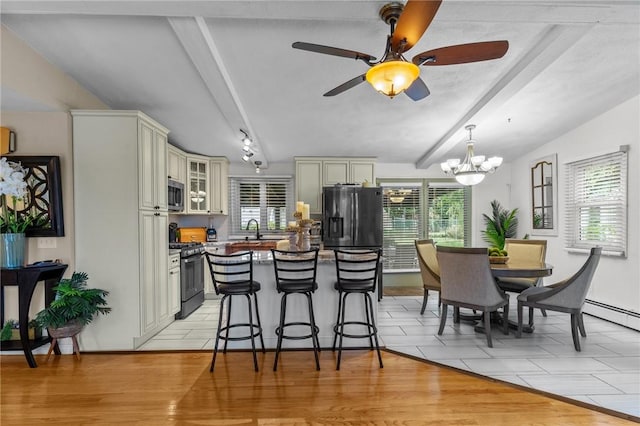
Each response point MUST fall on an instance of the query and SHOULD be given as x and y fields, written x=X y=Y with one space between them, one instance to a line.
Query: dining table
x=516 y=269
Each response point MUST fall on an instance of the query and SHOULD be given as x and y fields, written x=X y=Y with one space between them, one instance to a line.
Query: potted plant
x=11 y=330
x=501 y=225
x=74 y=306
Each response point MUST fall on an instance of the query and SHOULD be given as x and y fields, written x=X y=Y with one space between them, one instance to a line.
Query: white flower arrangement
x=12 y=186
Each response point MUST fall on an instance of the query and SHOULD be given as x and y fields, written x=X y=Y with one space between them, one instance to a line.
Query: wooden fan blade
x=418 y=90
x=413 y=22
x=334 y=51
x=463 y=53
x=346 y=86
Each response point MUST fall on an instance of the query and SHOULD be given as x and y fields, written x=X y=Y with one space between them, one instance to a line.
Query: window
x=268 y=201
x=413 y=210
x=597 y=203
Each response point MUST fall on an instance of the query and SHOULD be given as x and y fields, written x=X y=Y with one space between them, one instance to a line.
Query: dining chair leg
x=487 y=327
x=530 y=317
x=443 y=318
x=253 y=341
x=314 y=335
x=583 y=332
x=215 y=347
x=313 y=319
x=456 y=314
x=544 y=312
x=505 y=318
x=519 y=330
x=574 y=331
x=424 y=301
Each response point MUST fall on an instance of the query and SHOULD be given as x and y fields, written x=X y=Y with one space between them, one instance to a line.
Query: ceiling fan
x=393 y=74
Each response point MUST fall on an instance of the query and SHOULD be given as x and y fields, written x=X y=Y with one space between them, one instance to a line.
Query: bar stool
x=233 y=276
x=357 y=272
x=295 y=273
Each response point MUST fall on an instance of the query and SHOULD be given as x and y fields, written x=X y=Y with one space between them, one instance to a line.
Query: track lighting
x=246 y=148
x=247 y=156
x=246 y=140
x=258 y=163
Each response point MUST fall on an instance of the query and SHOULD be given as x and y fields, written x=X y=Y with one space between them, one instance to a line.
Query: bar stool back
x=357 y=272
x=296 y=274
x=233 y=276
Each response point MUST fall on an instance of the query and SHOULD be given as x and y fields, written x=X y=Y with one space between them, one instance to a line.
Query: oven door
x=191 y=276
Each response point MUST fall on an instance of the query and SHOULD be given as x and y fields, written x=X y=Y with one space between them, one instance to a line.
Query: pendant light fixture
x=472 y=170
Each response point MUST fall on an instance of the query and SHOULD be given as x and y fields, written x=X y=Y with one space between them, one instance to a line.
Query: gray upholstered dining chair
x=466 y=279
x=429 y=269
x=565 y=296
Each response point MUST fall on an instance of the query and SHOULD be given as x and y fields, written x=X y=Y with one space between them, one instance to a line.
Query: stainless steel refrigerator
x=352 y=217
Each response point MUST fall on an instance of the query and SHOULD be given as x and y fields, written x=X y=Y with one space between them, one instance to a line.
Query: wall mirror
x=544 y=199
x=44 y=195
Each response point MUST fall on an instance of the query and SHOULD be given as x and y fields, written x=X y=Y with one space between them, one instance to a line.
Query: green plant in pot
x=502 y=224
x=74 y=306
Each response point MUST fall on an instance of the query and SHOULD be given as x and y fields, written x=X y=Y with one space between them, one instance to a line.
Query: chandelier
x=474 y=167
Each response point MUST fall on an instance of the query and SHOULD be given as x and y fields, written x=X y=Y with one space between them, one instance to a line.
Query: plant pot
x=13 y=250
x=68 y=330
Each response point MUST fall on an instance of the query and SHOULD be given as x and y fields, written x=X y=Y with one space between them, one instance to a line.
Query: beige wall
x=29 y=77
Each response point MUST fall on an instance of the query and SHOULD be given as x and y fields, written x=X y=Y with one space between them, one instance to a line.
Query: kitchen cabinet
x=219 y=170
x=198 y=185
x=121 y=231
x=176 y=164
x=312 y=173
x=152 y=166
x=174 y=283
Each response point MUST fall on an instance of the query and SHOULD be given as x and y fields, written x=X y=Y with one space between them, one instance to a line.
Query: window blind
x=596 y=210
x=268 y=201
x=401 y=224
x=449 y=221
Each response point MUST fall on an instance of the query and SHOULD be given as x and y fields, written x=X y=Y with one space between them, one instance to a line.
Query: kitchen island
x=325 y=305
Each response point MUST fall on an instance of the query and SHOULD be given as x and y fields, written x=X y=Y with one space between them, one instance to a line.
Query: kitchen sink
x=250 y=245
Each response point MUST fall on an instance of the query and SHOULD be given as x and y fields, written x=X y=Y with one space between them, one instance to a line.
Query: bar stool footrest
x=236 y=338
x=373 y=330
x=305 y=324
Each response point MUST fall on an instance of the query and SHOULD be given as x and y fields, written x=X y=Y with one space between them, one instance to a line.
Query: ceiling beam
x=545 y=50
x=196 y=39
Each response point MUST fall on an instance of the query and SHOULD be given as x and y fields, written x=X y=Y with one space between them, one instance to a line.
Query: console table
x=26 y=279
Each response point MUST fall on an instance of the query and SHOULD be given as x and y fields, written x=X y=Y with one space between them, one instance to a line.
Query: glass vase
x=13 y=250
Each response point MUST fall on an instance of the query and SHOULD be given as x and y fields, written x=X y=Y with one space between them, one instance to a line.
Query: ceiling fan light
x=392 y=77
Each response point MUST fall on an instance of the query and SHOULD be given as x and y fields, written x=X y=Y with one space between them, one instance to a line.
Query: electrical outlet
x=47 y=243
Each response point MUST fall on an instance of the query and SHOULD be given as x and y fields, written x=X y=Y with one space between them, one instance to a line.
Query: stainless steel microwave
x=175 y=197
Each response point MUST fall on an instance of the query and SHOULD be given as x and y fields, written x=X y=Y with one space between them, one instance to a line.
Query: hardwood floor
x=177 y=388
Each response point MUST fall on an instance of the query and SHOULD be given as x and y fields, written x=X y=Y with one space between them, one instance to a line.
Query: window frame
x=235 y=221
x=423 y=228
x=574 y=230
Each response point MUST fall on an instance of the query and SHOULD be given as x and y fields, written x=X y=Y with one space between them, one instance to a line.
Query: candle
x=305 y=211
x=299 y=206
x=292 y=223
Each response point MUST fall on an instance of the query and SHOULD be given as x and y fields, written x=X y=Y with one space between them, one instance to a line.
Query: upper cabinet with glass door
x=197 y=188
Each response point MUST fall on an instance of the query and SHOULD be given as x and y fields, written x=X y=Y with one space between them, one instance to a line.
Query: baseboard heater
x=616 y=312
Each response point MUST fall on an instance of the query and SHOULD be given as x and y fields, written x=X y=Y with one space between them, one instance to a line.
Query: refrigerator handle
x=356 y=216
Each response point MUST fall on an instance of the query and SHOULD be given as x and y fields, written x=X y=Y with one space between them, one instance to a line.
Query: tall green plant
x=74 y=301
x=501 y=225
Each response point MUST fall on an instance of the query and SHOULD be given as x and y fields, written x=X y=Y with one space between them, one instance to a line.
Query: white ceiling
x=205 y=69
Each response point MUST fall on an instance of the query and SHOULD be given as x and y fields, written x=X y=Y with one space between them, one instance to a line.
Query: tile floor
x=605 y=373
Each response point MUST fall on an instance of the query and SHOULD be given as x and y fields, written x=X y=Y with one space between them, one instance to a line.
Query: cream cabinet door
x=148 y=304
x=334 y=172
x=146 y=166
x=197 y=197
x=176 y=165
x=160 y=170
x=309 y=184
x=361 y=171
x=174 y=284
x=219 y=170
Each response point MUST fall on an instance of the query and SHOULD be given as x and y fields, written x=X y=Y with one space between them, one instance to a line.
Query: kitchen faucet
x=257 y=227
